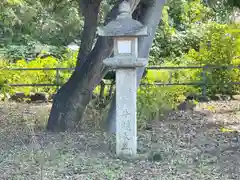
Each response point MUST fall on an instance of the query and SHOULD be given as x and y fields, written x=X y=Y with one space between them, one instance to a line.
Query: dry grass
x=190 y=146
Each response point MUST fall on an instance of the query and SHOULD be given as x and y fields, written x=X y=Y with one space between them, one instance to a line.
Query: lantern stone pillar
x=125 y=32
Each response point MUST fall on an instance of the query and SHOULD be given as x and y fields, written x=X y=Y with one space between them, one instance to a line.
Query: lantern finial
x=124 y=10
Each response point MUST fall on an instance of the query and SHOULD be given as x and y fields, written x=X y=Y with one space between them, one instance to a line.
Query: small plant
x=4 y=88
x=154 y=101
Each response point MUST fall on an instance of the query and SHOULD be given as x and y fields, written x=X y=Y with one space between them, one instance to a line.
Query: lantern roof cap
x=123 y=25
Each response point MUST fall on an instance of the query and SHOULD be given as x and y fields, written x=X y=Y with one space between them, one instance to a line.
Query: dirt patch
x=190 y=145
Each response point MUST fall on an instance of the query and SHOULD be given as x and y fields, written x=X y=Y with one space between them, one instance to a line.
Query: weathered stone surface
x=125 y=62
x=124 y=25
x=126 y=137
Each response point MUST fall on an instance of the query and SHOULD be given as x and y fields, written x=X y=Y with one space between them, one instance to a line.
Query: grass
x=189 y=145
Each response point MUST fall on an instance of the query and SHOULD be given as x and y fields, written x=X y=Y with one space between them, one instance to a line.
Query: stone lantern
x=125 y=32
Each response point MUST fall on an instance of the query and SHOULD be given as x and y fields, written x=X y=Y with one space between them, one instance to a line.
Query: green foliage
x=25 y=25
x=208 y=43
x=36 y=76
x=219 y=47
x=223 y=9
x=185 y=12
x=32 y=50
x=154 y=100
x=181 y=29
x=182 y=39
x=49 y=22
x=4 y=87
x=14 y=52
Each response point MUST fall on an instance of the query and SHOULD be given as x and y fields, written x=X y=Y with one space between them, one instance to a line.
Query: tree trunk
x=88 y=35
x=73 y=97
x=151 y=16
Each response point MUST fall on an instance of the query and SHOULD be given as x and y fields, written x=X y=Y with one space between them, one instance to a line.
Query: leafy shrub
x=37 y=76
x=39 y=21
x=4 y=88
x=174 y=75
x=31 y=76
x=29 y=51
x=14 y=52
x=220 y=47
x=154 y=100
x=182 y=28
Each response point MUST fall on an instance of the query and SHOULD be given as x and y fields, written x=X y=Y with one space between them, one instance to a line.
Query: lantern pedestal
x=126 y=102
x=126 y=116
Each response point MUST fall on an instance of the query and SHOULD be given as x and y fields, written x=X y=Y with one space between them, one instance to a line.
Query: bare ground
x=183 y=145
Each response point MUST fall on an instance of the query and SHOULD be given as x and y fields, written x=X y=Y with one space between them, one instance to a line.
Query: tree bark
x=73 y=97
x=90 y=13
x=151 y=16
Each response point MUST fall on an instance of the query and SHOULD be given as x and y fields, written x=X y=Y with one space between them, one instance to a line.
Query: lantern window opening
x=125 y=46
